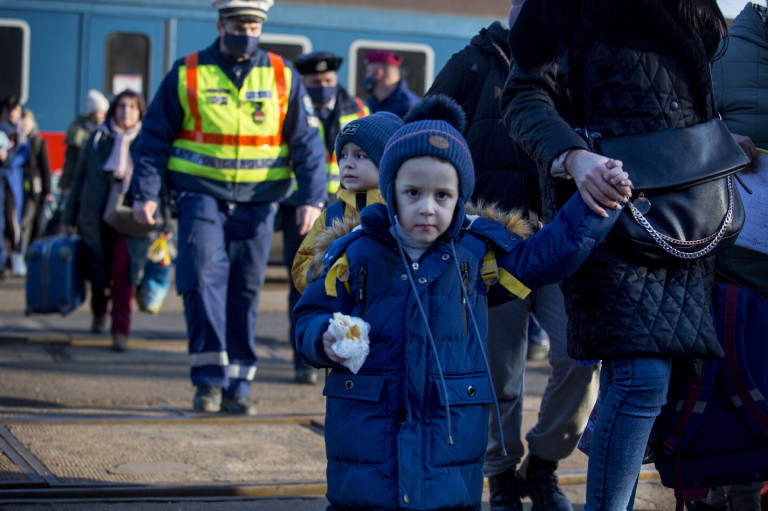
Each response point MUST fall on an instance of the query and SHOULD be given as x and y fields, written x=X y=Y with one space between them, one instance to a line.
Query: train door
x=125 y=53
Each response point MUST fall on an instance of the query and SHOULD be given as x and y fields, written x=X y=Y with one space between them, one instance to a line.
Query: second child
x=409 y=429
x=359 y=147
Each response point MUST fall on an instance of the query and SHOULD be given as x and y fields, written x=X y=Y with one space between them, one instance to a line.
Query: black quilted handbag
x=685 y=204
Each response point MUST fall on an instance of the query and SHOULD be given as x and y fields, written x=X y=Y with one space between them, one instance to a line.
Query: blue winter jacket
x=387 y=429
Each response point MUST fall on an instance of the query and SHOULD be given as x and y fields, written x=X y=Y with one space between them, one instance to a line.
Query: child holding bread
x=409 y=429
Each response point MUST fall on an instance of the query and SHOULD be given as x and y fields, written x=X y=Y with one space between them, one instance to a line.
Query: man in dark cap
x=335 y=108
x=383 y=80
x=230 y=130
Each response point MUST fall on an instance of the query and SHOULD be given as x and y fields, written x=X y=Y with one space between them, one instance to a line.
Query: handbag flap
x=676 y=157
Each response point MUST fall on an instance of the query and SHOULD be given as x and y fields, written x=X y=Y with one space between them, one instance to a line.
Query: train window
x=14 y=59
x=287 y=46
x=418 y=67
x=127 y=64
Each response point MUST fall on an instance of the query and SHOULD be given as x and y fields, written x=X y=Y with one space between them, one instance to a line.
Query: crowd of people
x=458 y=226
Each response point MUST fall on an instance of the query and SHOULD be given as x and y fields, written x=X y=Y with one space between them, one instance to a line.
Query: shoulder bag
x=120 y=217
x=685 y=204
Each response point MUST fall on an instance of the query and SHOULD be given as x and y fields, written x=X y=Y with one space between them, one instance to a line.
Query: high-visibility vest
x=229 y=135
x=331 y=163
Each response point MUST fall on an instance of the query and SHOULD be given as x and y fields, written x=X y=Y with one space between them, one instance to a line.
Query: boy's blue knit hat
x=432 y=128
x=370 y=133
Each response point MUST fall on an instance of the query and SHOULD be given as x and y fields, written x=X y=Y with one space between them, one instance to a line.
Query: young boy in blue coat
x=409 y=429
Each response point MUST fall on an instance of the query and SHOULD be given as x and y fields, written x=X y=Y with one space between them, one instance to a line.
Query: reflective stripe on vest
x=331 y=162
x=230 y=135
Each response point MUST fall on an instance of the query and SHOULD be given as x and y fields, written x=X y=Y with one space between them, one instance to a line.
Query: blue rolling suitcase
x=54 y=276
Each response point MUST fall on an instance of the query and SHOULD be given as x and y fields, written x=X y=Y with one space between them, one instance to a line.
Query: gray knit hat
x=432 y=128
x=370 y=133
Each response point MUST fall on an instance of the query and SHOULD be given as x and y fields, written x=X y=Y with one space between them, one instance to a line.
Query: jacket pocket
x=356 y=422
x=469 y=397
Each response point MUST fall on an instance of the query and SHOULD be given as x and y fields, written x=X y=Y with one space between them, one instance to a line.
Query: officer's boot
x=537 y=480
x=505 y=495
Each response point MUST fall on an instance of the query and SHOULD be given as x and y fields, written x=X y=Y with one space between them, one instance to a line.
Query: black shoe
x=537 y=480
x=701 y=505
x=207 y=399
x=238 y=406
x=505 y=494
x=306 y=375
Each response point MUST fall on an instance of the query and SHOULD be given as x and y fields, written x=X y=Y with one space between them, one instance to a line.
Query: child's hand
x=601 y=181
x=328 y=341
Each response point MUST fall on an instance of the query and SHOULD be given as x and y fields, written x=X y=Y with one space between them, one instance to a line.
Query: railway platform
x=83 y=428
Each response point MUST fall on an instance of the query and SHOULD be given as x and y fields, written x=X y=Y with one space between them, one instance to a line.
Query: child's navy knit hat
x=432 y=128
x=370 y=133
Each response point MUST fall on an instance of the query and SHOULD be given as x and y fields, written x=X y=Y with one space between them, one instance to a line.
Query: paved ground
x=83 y=428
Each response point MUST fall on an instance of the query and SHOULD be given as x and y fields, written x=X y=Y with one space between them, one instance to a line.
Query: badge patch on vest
x=256 y=95
x=309 y=108
x=218 y=100
x=258 y=114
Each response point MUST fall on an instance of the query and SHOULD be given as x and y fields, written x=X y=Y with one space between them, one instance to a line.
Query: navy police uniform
x=228 y=136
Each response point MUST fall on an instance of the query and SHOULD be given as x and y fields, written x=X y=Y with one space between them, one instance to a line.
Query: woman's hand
x=328 y=341
x=749 y=148
x=601 y=181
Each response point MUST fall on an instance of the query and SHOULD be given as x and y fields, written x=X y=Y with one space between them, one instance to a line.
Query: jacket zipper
x=361 y=278
x=465 y=279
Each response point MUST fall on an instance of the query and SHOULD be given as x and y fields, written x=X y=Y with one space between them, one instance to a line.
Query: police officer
x=383 y=80
x=226 y=128
x=334 y=107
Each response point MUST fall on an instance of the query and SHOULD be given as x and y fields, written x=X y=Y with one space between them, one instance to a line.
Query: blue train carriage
x=54 y=51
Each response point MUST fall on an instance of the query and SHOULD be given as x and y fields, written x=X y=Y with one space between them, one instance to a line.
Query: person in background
x=5 y=146
x=737 y=77
x=37 y=182
x=10 y=123
x=507 y=177
x=617 y=67
x=96 y=106
x=334 y=108
x=230 y=130
x=384 y=82
x=114 y=261
x=408 y=428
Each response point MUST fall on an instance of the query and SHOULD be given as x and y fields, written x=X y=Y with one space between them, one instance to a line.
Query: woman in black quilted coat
x=617 y=67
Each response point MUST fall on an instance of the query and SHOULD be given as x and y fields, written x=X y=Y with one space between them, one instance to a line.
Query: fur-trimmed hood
x=512 y=220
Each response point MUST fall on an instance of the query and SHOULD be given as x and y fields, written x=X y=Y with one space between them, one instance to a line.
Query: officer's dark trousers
x=223 y=255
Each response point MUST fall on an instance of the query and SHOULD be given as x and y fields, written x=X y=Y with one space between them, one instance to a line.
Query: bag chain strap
x=661 y=239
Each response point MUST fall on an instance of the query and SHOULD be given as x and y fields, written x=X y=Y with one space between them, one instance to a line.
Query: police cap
x=317 y=62
x=243 y=10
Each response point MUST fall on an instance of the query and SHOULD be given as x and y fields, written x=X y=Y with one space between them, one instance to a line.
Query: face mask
x=368 y=84
x=322 y=95
x=240 y=45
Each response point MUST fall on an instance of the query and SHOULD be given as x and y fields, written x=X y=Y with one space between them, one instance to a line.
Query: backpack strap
x=732 y=362
x=690 y=404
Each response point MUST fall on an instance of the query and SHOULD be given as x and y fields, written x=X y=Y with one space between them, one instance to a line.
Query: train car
x=54 y=51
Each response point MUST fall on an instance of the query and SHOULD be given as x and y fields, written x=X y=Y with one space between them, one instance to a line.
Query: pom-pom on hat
x=317 y=62
x=370 y=133
x=245 y=10
x=387 y=57
x=432 y=128
x=95 y=102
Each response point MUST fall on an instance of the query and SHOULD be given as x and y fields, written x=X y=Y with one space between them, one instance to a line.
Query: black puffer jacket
x=628 y=67
x=474 y=77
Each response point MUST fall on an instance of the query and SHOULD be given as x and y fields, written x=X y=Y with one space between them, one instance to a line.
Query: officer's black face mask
x=240 y=46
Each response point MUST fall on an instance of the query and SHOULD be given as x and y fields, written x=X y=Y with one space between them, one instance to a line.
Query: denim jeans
x=632 y=392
